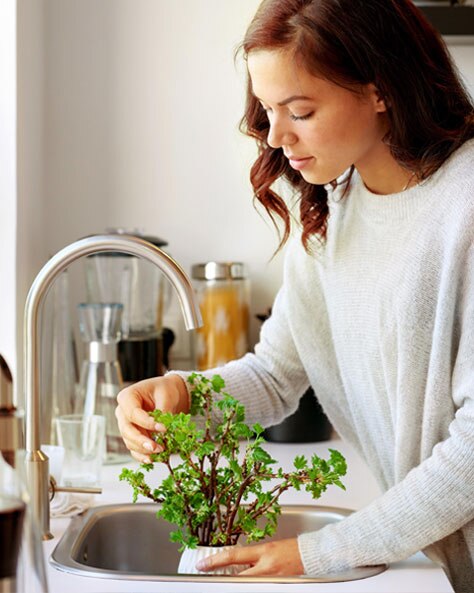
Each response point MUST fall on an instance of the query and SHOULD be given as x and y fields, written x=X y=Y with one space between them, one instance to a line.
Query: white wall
x=127 y=116
x=8 y=181
x=31 y=212
x=464 y=58
x=143 y=101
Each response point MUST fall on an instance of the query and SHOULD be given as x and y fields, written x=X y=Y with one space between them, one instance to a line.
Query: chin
x=315 y=179
x=319 y=178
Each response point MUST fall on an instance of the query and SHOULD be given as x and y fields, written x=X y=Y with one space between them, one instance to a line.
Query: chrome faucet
x=37 y=466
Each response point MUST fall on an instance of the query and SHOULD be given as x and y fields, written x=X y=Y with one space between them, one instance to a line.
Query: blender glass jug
x=144 y=292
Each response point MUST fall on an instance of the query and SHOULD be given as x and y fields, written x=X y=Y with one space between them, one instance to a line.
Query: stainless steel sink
x=127 y=541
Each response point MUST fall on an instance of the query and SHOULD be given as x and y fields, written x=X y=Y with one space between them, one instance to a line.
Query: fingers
x=136 y=439
x=134 y=422
x=140 y=458
x=245 y=555
x=168 y=394
x=131 y=402
x=261 y=569
x=280 y=558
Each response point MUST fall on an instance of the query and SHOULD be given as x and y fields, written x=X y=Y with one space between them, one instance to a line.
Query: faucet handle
x=54 y=487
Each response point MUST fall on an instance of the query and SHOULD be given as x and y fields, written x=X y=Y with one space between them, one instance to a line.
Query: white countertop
x=415 y=575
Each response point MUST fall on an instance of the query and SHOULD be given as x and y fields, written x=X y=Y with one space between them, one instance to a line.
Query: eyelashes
x=293 y=117
x=301 y=117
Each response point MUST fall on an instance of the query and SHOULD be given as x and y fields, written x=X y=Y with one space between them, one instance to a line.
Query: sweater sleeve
x=434 y=500
x=269 y=382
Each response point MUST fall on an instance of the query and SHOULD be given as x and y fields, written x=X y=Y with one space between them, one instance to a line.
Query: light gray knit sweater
x=380 y=321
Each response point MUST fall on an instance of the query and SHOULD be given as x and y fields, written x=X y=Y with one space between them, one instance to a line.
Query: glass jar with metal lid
x=224 y=294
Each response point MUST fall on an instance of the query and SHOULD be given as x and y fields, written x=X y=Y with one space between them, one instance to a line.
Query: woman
x=357 y=105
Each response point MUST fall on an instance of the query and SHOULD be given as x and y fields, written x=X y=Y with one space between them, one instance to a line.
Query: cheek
x=319 y=134
x=331 y=140
x=331 y=128
x=349 y=128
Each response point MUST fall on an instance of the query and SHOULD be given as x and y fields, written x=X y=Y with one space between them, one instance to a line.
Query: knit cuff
x=318 y=558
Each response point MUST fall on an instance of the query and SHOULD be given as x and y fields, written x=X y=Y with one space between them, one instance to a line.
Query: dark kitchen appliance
x=452 y=18
x=309 y=424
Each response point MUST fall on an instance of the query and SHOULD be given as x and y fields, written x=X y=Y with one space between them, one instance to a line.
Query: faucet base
x=37 y=476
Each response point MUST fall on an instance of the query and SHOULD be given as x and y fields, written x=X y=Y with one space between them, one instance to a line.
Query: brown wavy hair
x=388 y=43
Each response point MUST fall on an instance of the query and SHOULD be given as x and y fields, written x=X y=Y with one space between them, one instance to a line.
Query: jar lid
x=219 y=271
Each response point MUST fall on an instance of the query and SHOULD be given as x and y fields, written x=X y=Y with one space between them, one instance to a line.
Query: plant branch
x=181 y=491
x=203 y=498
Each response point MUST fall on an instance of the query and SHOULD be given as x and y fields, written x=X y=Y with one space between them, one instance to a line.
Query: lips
x=299 y=163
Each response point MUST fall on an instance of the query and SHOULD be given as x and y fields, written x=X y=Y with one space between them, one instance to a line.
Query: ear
x=379 y=103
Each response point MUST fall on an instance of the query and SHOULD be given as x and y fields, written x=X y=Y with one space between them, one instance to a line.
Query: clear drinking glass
x=101 y=375
x=83 y=440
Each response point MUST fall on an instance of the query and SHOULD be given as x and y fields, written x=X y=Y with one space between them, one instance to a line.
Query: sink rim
x=62 y=557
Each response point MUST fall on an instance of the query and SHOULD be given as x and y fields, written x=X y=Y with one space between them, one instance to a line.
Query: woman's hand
x=168 y=394
x=277 y=558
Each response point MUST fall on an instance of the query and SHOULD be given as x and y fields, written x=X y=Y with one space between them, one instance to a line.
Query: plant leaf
x=208 y=482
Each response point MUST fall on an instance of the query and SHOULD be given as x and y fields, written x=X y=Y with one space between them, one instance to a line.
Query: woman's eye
x=301 y=117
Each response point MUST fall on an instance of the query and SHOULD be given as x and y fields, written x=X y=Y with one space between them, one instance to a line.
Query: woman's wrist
x=184 y=396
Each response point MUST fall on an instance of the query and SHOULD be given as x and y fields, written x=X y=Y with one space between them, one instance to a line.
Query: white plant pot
x=190 y=557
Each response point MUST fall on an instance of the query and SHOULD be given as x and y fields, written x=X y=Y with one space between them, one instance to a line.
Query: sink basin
x=127 y=541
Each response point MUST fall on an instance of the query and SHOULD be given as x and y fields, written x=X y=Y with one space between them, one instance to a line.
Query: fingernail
x=160 y=427
x=201 y=565
x=148 y=446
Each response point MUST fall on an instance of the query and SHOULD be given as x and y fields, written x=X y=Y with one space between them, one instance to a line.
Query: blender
x=114 y=277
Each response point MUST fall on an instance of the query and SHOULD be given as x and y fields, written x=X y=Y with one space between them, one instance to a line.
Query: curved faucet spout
x=37 y=462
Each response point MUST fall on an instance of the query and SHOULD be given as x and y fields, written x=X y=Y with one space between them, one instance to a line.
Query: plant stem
x=179 y=487
x=204 y=499
x=145 y=491
x=240 y=493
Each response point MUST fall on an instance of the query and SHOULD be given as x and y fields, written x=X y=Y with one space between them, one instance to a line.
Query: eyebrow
x=294 y=98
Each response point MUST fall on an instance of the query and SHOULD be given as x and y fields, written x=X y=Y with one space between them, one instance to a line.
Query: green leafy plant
x=212 y=494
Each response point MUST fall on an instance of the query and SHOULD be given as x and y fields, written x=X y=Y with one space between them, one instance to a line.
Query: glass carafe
x=101 y=376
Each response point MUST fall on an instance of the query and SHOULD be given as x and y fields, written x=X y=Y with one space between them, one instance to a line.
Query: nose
x=279 y=134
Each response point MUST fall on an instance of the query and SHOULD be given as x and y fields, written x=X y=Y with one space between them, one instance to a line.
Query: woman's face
x=322 y=128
